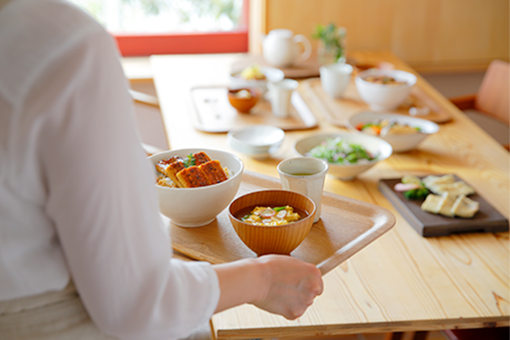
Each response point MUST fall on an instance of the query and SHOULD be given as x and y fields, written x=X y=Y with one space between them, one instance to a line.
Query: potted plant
x=331 y=43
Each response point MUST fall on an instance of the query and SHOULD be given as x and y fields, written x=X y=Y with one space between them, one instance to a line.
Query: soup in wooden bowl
x=269 y=233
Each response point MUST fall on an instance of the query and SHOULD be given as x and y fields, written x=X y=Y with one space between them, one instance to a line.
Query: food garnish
x=189 y=161
x=339 y=151
x=267 y=216
x=413 y=188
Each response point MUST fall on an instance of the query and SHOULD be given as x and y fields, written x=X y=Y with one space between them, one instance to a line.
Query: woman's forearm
x=276 y=283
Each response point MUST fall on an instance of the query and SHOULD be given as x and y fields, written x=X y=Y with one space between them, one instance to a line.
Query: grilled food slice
x=192 y=177
x=201 y=158
x=173 y=169
x=166 y=182
x=213 y=172
x=163 y=164
x=445 y=204
x=465 y=207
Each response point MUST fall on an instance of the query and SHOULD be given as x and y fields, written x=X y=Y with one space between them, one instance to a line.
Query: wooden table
x=402 y=282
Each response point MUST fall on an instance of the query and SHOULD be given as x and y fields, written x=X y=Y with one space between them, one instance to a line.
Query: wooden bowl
x=272 y=239
x=243 y=104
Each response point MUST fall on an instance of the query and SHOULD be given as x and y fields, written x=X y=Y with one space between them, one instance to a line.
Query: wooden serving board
x=346 y=226
x=213 y=112
x=338 y=111
x=487 y=219
x=300 y=70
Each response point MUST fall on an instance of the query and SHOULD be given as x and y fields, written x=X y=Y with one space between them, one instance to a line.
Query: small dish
x=399 y=142
x=256 y=141
x=346 y=172
x=281 y=239
x=243 y=99
x=384 y=96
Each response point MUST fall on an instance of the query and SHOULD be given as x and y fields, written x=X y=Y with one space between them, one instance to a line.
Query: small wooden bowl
x=242 y=104
x=272 y=239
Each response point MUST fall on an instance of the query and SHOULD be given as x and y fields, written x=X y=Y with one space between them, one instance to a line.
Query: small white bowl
x=348 y=171
x=272 y=74
x=256 y=141
x=400 y=143
x=195 y=207
x=384 y=97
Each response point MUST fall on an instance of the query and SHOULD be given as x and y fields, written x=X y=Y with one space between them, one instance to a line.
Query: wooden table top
x=401 y=282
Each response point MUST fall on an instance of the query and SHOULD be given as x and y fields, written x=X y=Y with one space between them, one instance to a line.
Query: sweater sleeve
x=102 y=199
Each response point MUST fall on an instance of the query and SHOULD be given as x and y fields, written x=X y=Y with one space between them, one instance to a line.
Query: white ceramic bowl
x=272 y=74
x=383 y=97
x=399 y=143
x=256 y=141
x=194 y=207
x=345 y=172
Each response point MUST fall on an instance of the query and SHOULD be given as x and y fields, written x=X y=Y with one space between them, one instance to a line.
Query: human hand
x=291 y=285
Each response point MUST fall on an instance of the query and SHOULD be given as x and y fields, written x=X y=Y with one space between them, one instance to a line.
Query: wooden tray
x=487 y=219
x=338 y=111
x=213 y=113
x=304 y=69
x=346 y=226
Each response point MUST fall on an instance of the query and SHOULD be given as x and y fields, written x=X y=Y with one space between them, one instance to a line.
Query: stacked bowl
x=256 y=141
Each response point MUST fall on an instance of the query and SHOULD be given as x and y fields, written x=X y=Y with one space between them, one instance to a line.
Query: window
x=145 y=27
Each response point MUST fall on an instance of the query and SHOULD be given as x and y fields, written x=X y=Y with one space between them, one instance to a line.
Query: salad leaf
x=416 y=194
x=339 y=151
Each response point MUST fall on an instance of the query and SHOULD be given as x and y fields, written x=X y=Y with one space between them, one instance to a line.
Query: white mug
x=280 y=94
x=306 y=176
x=335 y=78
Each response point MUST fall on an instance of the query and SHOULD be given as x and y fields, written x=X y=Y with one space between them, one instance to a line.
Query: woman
x=78 y=205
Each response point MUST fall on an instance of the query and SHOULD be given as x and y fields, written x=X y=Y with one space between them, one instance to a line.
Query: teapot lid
x=282 y=33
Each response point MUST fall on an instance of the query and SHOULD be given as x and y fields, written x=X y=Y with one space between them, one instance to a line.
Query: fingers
x=292 y=286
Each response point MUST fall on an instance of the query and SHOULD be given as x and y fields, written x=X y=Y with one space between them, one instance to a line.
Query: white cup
x=335 y=78
x=304 y=175
x=279 y=95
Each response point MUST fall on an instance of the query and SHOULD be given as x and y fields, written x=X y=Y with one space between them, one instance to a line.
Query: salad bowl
x=347 y=154
x=401 y=140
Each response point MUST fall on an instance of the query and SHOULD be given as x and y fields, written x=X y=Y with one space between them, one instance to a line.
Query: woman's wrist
x=244 y=281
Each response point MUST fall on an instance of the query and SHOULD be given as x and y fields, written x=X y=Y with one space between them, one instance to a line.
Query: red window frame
x=131 y=45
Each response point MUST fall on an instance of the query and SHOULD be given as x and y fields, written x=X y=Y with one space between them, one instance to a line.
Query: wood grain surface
x=401 y=282
x=432 y=36
x=338 y=111
x=346 y=227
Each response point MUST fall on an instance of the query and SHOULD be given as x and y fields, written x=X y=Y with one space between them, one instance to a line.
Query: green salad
x=338 y=151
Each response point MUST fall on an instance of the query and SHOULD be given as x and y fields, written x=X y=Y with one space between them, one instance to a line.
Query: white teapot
x=280 y=48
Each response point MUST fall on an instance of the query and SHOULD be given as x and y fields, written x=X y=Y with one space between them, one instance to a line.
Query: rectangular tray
x=338 y=111
x=346 y=226
x=487 y=219
x=212 y=112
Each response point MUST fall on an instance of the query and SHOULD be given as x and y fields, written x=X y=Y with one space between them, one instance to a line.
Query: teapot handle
x=299 y=38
